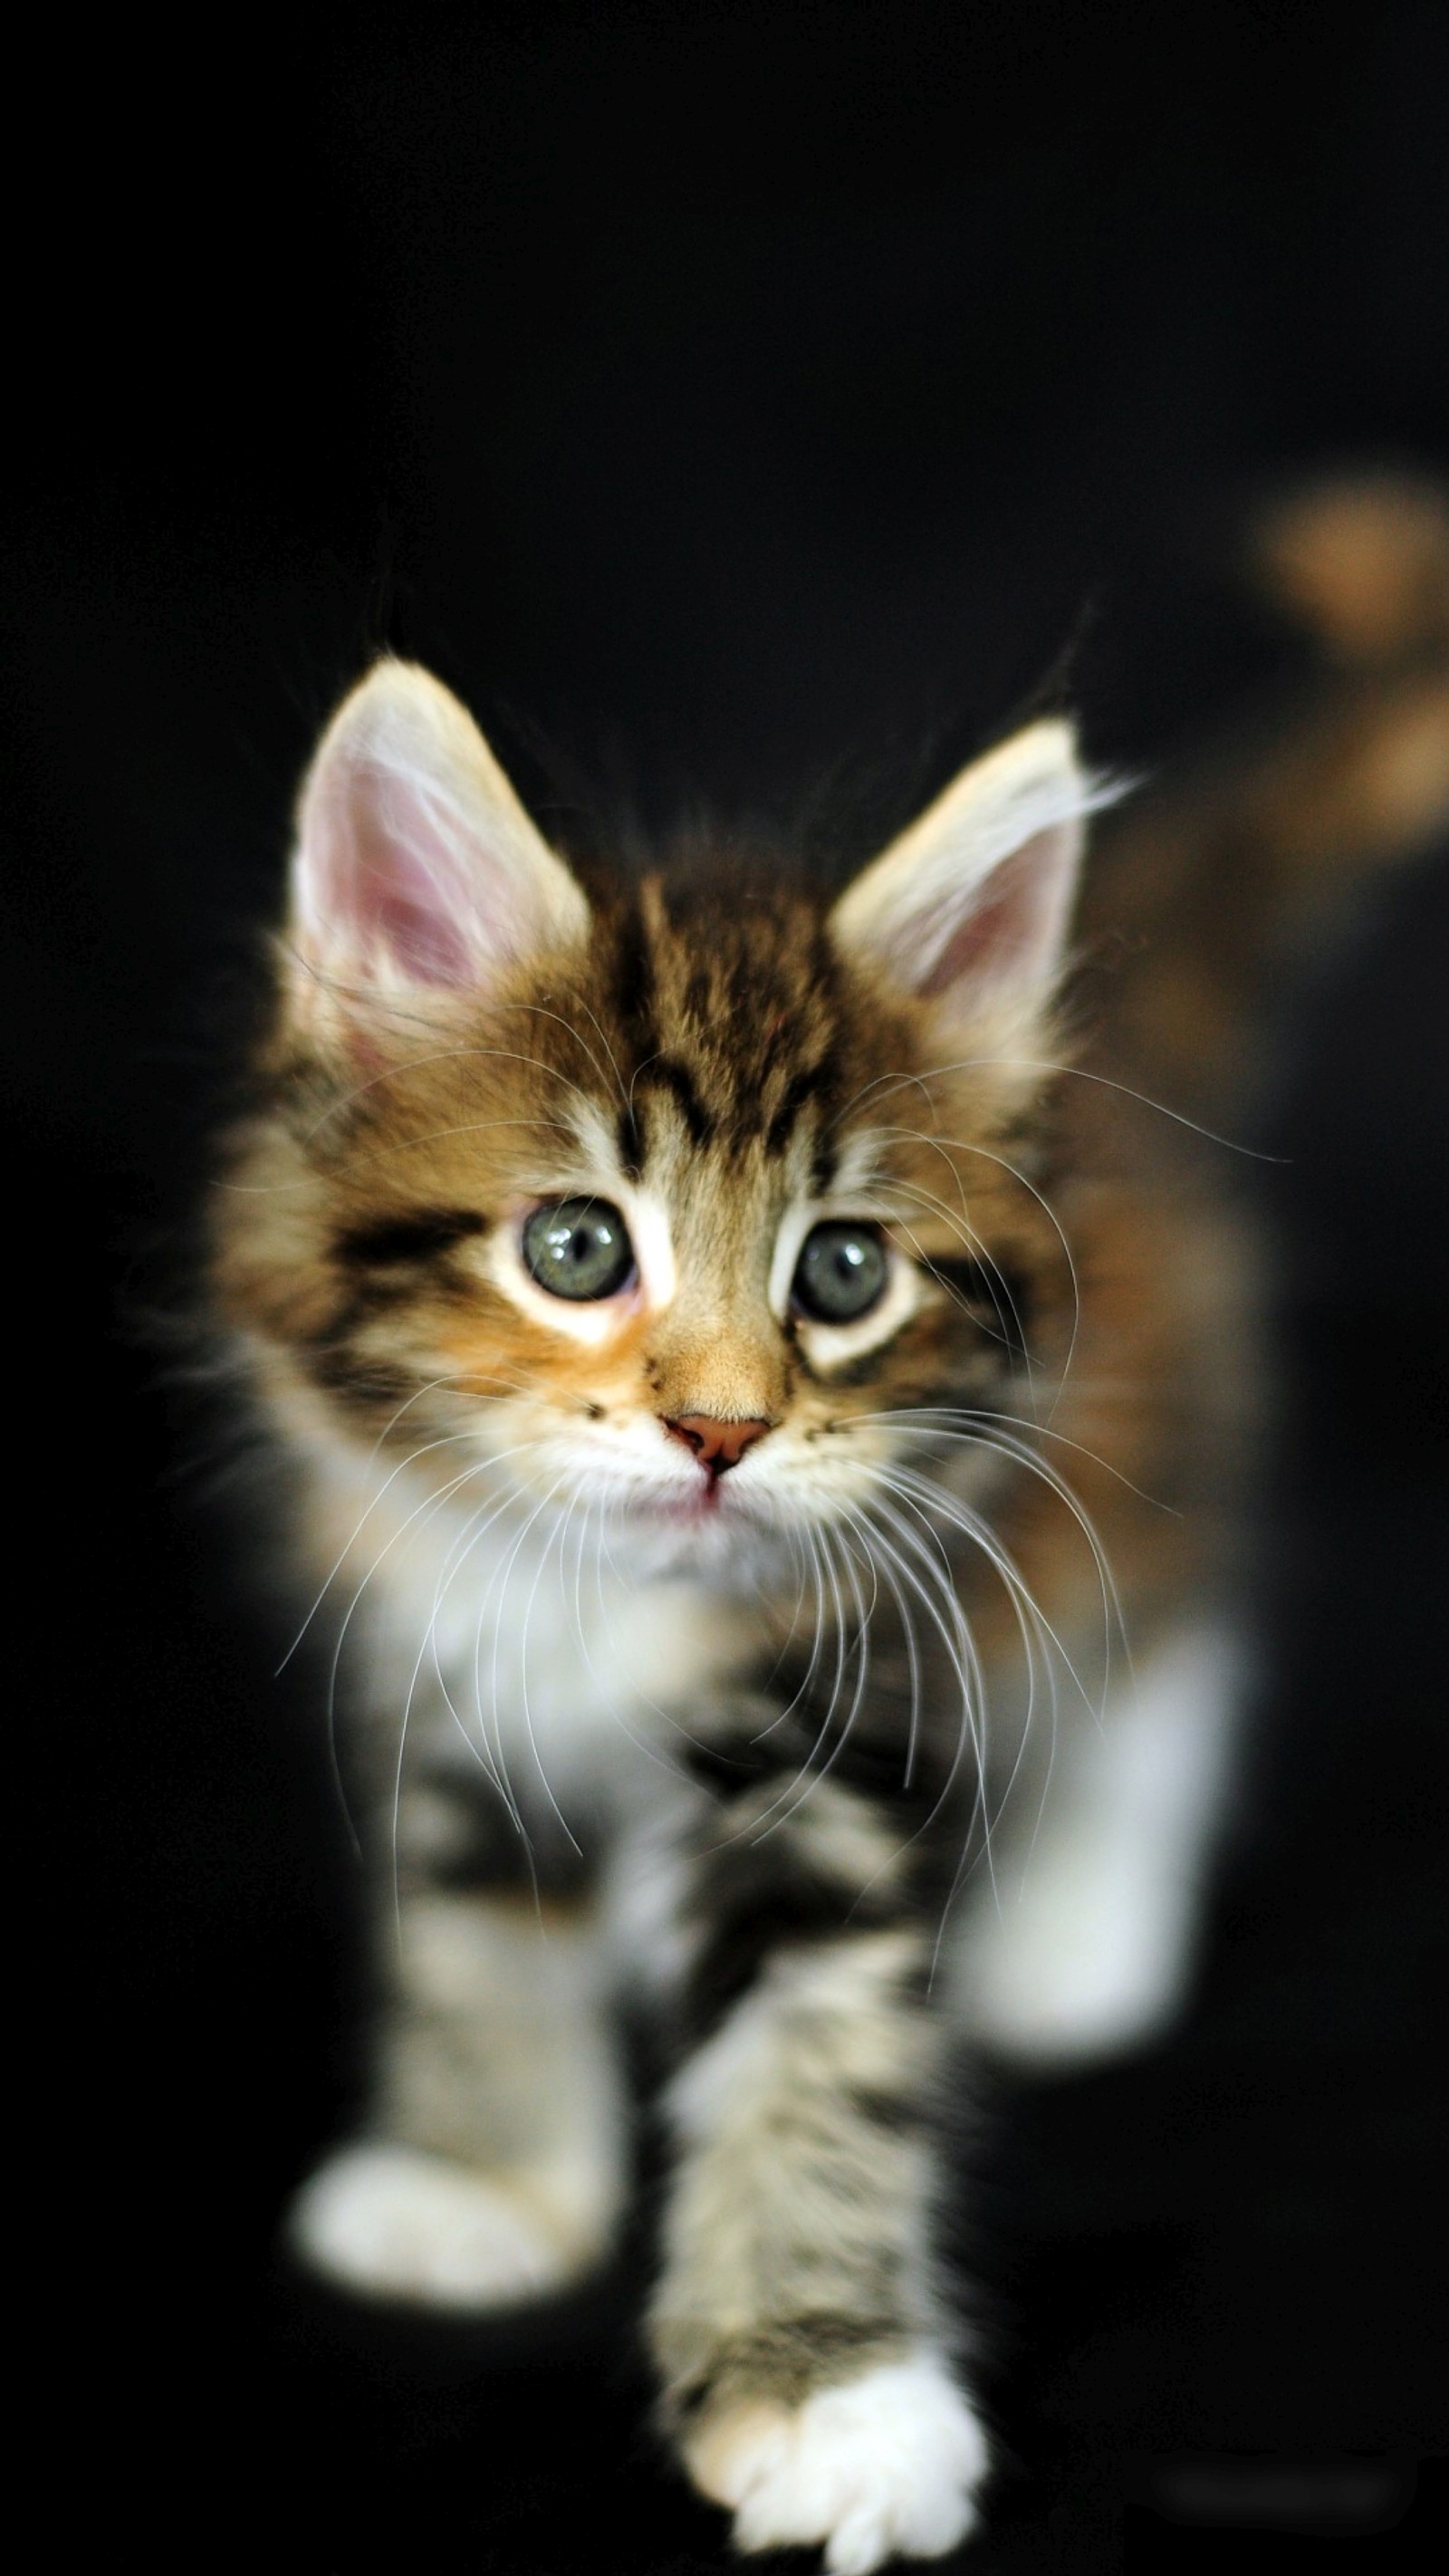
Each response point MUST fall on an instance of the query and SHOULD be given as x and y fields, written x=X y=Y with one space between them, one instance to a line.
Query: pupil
x=578 y=1248
x=841 y=1273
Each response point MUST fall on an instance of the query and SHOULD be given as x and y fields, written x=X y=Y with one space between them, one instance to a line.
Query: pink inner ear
x=387 y=883
x=1013 y=926
x=426 y=945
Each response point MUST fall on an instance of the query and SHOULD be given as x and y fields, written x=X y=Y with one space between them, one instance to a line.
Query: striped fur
x=769 y=1744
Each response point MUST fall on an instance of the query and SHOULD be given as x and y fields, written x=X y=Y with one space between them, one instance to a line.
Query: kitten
x=773 y=1396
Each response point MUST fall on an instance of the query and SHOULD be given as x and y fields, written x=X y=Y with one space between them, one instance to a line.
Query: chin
x=714 y=1532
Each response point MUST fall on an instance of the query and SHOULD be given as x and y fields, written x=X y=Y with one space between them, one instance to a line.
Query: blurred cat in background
x=769 y=1381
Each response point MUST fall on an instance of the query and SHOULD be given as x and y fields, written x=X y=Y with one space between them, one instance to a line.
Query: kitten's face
x=681 y=1214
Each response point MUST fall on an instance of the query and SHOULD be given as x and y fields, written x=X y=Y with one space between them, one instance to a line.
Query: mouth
x=708 y=1501
x=693 y=1509
x=694 y=1504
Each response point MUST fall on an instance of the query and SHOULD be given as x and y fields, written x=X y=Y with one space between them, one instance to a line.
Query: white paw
x=399 y=2224
x=1079 y=1971
x=1090 y=1950
x=882 y=2467
x=1071 y=1992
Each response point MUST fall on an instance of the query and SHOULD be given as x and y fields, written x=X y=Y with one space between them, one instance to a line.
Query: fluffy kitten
x=769 y=1390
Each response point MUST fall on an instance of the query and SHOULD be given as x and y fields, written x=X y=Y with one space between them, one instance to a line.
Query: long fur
x=922 y=1706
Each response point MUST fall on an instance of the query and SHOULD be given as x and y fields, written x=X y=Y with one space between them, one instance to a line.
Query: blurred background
x=754 y=409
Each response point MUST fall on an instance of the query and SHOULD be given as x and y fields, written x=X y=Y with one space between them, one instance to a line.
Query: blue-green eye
x=841 y=1272
x=578 y=1248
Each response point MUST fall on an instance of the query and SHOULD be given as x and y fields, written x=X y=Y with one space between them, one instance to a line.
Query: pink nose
x=717 y=1445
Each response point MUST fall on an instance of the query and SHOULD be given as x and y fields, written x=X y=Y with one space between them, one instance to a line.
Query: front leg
x=492 y=2166
x=797 y=2323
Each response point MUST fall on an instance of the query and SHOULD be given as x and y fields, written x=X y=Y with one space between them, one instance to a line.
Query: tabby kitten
x=767 y=1389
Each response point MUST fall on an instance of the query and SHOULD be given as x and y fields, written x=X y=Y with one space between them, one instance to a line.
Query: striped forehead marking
x=742 y=1041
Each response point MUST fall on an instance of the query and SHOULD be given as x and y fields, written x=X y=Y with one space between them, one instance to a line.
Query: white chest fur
x=526 y=1642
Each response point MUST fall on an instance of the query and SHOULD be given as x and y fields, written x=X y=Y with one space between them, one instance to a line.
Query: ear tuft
x=971 y=905
x=416 y=867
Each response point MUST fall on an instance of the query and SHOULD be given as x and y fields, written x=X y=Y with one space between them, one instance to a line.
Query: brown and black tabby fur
x=839 y=1686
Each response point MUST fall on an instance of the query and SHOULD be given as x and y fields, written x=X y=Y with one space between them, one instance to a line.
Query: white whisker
x=377 y=1496
x=807 y=1777
x=966 y=1145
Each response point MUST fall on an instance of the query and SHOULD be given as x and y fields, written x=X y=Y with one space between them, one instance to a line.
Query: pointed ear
x=970 y=907
x=416 y=867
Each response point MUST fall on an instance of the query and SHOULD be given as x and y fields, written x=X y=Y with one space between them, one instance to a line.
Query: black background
x=755 y=409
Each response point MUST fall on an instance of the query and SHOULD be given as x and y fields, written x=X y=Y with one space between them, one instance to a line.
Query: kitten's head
x=694 y=1209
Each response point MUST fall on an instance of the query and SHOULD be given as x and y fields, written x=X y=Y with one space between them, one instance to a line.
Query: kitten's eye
x=841 y=1272
x=578 y=1248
